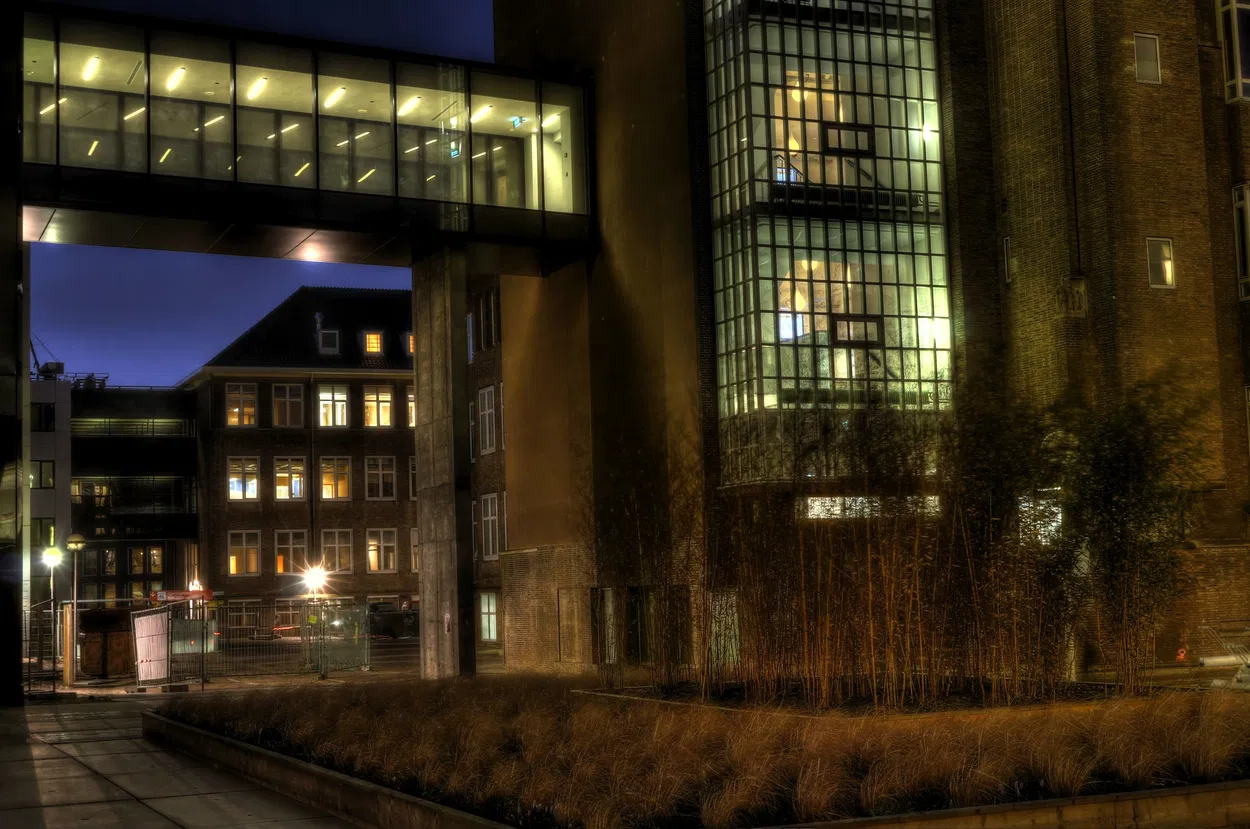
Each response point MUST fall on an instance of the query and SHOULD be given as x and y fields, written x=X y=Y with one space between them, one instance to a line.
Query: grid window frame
x=340 y=468
x=241 y=405
x=380 y=477
x=412 y=477
x=290 y=552
x=333 y=406
x=242 y=470
x=295 y=469
x=329 y=342
x=489 y=515
x=373 y=342
x=486 y=419
x=414 y=548
x=288 y=406
x=386 y=543
x=488 y=612
x=379 y=406
x=243 y=547
x=341 y=544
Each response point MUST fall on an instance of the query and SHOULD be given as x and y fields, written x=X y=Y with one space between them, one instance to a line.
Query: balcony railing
x=152 y=427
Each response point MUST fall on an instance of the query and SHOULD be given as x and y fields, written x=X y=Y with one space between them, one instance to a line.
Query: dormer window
x=328 y=342
x=373 y=342
x=411 y=342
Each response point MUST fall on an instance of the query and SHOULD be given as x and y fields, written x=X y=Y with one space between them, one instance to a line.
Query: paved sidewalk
x=86 y=764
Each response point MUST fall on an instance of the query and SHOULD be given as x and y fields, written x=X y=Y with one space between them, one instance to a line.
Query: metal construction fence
x=197 y=640
x=40 y=661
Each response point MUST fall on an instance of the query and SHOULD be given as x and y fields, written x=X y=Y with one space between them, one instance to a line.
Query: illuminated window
x=288 y=479
x=1159 y=255
x=412 y=410
x=156 y=560
x=377 y=406
x=414 y=540
x=336 y=479
x=490 y=616
x=412 y=343
x=240 y=404
x=241 y=476
x=244 y=556
x=42 y=475
x=380 y=550
x=379 y=479
x=336 y=551
x=136 y=560
x=290 y=552
x=373 y=342
x=332 y=402
x=1146 y=53
x=288 y=406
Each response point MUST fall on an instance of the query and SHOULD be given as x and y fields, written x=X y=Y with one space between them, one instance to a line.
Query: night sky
x=151 y=317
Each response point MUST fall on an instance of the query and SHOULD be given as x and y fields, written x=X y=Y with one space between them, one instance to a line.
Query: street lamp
x=315 y=579
x=75 y=543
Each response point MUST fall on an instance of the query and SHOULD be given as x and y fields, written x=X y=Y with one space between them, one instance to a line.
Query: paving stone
x=216 y=811
x=20 y=794
x=91 y=747
x=125 y=814
x=179 y=782
x=151 y=762
x=45 y=769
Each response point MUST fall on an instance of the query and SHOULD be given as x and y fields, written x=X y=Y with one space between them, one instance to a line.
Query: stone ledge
x=1208 y=806
x=362 y=803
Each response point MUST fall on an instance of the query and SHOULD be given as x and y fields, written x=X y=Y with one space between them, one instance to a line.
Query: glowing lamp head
x=53 y=557
x=75 y=542
x=195 y=585
x=315 y=579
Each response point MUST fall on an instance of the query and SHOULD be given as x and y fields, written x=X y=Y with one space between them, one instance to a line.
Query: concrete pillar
x=12 y=354
x=440 y=362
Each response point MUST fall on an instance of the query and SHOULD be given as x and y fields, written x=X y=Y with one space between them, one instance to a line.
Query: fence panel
x=40 y=666
x=189 y=640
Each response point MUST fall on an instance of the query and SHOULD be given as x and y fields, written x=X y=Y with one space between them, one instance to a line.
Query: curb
x=357 y=801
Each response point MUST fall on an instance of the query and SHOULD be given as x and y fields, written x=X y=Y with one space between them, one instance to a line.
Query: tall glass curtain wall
x=115 y=97
x=829 y=249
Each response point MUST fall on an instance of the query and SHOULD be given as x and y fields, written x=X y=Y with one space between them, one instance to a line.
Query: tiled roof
x=287 y=336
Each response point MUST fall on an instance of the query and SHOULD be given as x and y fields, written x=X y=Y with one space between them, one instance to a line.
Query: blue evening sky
x=151 y=317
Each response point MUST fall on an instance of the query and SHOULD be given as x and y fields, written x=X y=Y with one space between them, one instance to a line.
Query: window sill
x=380 y=498
x=381 y=572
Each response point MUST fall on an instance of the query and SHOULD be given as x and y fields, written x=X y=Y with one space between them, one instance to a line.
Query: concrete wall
x=50 y=503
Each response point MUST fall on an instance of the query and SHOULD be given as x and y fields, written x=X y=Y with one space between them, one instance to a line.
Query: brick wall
x=545 y=605
x=220 y=515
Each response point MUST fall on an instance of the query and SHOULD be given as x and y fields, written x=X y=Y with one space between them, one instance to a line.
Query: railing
x=40 y=662
x=132 y=427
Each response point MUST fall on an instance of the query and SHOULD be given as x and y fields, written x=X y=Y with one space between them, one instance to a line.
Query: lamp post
x=75 y=543
x=314 y=580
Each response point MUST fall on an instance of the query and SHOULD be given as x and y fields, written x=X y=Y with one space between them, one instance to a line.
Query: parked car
x=386 y=620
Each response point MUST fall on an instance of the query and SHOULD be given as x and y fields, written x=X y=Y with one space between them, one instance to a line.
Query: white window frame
x=334 y=459
x=490 y=526
x=337 y=405
x=383 y=399
x=473 y=517
x=364 y=341
x=285 y=540
x=412 y=477
x=323 y=347
x=380 y=538
x=472 y=432
x=376 y=470
x=241 y=462
x=412 y=408
x=1236 y=87
x=1139 y=36
x=468 y=326
x=503 y=521
x=291 y=397
x=486 y=419
x=503 y=431
x=231 y=546
x=243 y=392
x=338 y=535
x=488 y=615
x=287 y=461
x=1171 y=260
x=414 y=549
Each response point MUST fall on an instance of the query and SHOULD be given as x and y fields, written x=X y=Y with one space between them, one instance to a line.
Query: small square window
x=1162 y=270
x=328 y=342
x=1147 y=56
x=373 y=342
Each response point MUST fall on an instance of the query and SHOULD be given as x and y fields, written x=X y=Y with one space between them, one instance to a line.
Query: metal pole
x=52 y=615
x=73 y=671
